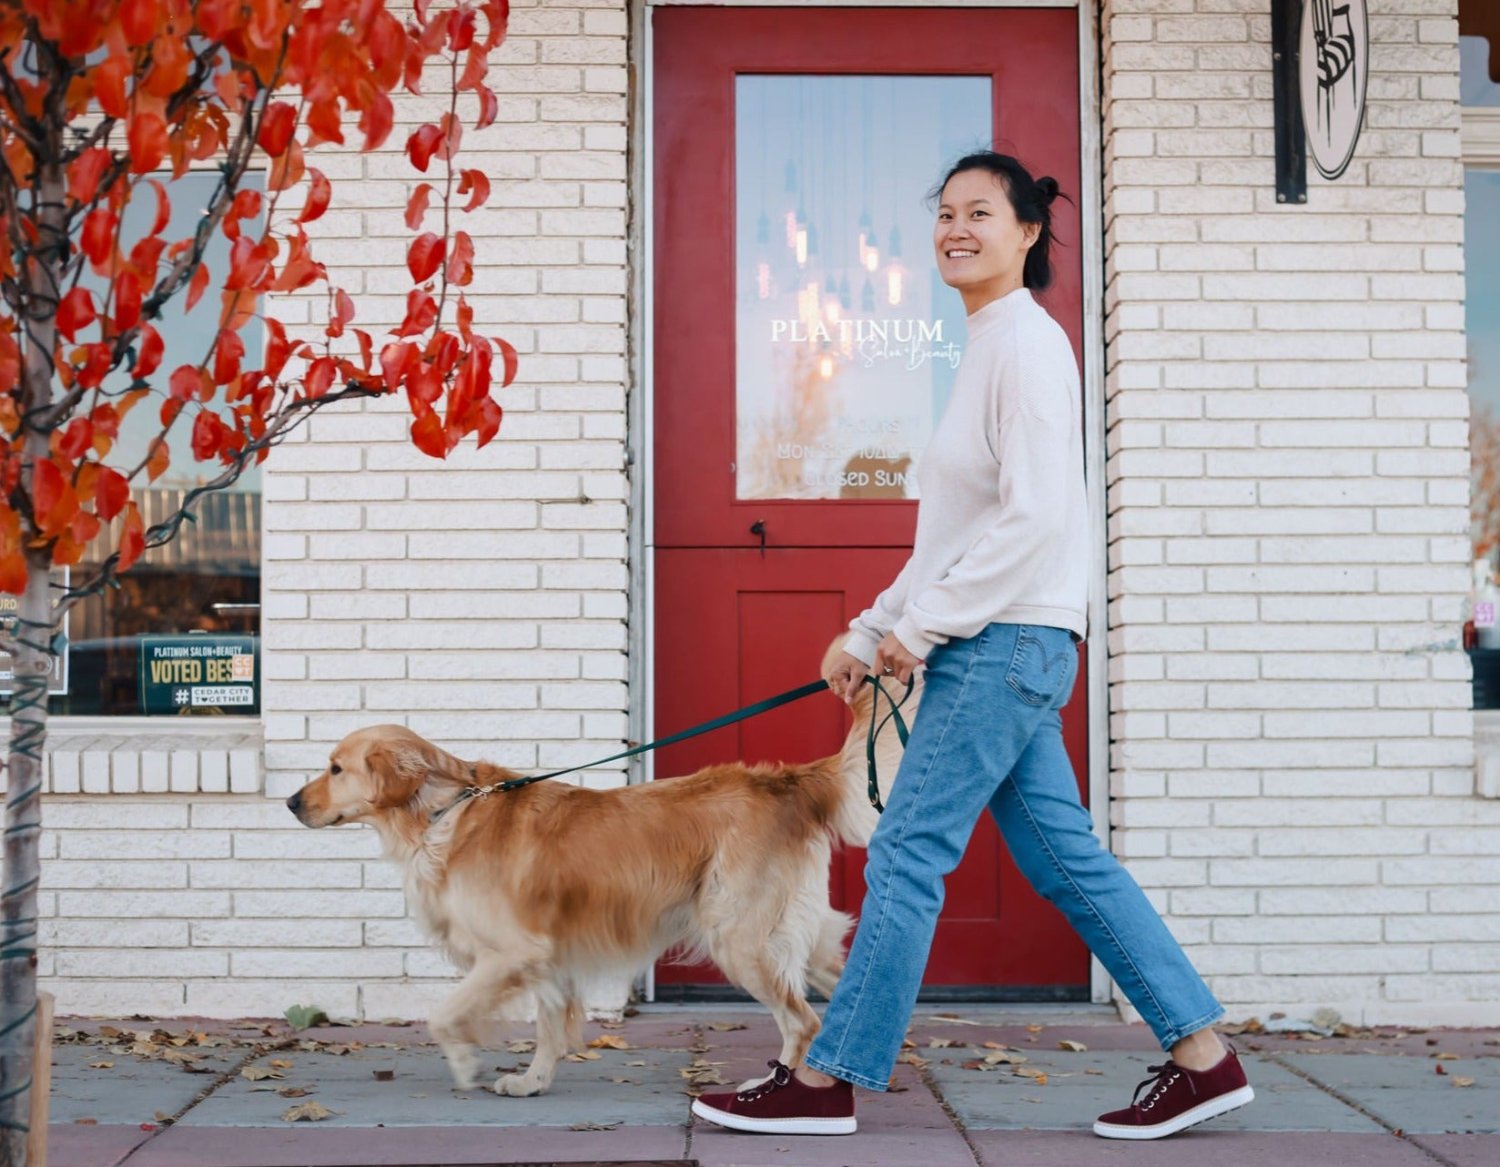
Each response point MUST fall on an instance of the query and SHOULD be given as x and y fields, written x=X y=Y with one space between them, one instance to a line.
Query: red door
x=803 y=348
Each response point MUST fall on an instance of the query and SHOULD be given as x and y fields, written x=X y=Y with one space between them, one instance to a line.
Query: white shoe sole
x=774 y=1126
x=1214 y=1107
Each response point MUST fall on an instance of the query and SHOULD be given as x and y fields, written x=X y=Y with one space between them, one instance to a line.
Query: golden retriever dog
x=540 y=888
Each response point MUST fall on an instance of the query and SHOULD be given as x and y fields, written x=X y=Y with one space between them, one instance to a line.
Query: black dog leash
x=738 y=715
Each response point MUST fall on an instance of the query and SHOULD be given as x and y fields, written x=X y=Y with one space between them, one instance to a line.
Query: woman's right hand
x=846 y=675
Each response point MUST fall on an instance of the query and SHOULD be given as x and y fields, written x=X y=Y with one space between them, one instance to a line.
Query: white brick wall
x=481 y=600
x=1288 y=502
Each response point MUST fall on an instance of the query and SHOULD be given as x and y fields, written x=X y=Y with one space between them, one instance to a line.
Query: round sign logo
x=1333 y=69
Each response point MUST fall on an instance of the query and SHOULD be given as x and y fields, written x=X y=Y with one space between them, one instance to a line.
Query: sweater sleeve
x=1032 y=449
x=868 y=629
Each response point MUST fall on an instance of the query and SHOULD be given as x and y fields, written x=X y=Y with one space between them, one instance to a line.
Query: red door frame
x=696 y=54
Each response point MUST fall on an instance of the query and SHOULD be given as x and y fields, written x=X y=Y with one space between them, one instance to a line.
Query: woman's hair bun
x=1046 y=190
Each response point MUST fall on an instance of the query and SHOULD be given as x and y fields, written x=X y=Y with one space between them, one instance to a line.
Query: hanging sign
x=1333 y=69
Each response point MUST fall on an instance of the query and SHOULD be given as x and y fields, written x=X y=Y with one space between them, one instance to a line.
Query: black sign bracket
x=1291 y=134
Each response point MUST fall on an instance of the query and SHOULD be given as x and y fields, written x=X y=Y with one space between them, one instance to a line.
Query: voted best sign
x=205 y=673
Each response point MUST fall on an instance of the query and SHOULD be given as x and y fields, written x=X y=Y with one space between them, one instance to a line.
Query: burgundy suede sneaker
x=1179 y=1098
x=781 y=1105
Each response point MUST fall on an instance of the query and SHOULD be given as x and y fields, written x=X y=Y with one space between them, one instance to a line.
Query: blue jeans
x=989 y=732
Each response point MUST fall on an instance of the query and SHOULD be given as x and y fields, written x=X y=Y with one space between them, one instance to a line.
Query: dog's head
x=372 y=772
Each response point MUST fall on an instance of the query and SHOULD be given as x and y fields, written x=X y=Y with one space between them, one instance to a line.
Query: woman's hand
x=892 y=659
x=846 y=675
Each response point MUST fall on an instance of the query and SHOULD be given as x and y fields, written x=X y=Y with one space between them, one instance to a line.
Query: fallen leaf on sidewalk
x=1035 y=1028
x=586 y=1055
x=101 y=1065
x=594 y=1126
x=306 y=1112
x=945 y=1043
x=294 y=1091
x=894 y=1086
x=1037 y=1076
x=636 y=1063
x=256 y=1073
x=912 y=1059
x=280 y=1064
x=384 y=1075
x=609 y=1041
x=1444 y=1057
x=726 y=1026
x=1005 y=1057
x=1076 y=1047
x=1438 y=1069
x=521 y=1047
x=1457 y=1081
x=85 y=1122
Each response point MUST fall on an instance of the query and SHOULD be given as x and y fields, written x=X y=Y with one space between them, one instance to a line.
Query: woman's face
x=981 y=246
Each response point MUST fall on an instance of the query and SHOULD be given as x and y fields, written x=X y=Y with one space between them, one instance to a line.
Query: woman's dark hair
x=1031 y=199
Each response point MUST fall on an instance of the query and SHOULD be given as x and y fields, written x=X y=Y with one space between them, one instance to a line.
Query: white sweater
x=1002 y=526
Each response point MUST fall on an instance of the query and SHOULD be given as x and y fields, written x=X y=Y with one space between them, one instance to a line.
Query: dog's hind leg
x=455 y=1022
x=826 y=964
x=755 y=972
x=557 y=1019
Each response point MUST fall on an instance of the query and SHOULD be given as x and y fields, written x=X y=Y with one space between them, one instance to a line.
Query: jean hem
x=1177 y=1033
x=846 y=1075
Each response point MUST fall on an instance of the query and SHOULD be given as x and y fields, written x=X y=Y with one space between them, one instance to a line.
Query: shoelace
x=780 y=1076
x=1162 y=1076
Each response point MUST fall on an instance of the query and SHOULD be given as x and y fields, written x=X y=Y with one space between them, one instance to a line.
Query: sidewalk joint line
x=930 y=1081
x=260 y=1050
x=1340 y=1096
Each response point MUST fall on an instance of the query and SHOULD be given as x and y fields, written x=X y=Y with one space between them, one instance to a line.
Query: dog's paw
x=463 y=1064
x=517 y=1086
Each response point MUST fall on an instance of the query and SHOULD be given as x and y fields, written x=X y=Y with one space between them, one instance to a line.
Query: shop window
x=180 y=636
x=1480 y=94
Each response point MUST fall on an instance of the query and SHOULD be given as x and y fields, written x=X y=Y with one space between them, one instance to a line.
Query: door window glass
x=847 y=340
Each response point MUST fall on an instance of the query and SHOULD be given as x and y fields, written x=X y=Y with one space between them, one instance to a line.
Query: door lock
x=759 y=528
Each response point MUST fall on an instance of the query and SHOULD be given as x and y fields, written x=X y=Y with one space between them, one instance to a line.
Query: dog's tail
x=855 y=819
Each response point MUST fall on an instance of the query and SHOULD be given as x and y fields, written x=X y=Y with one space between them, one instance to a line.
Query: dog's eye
x=335 y=769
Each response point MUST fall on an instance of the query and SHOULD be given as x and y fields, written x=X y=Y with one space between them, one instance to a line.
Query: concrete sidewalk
x=992 y=1086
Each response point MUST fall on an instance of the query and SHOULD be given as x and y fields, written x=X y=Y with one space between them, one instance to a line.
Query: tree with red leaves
x=109 y=103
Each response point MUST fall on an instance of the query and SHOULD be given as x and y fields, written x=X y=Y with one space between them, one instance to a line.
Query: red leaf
x=141 y=20
x=13 y=573
x=76 y=439
x=489 y=107
x=461 y=262
x=152 y=349
x=428 y=436
x=228 y=353
x=394 y=361
x=208 y=434
x=475 y=181
x=161 y=453
x=148 y=142
x=377 y=120
x=163 y=208
x=366 y=347
x=421 y=311
x=509 y=360
x=186 y=382
x=84 y=527
x=97 y=239
x=343 y=312
x=465 y=319
x=276 y=127
x=75 y=311
x=127 y=301
x=197 y=286
x=86 y=173
x=133 y=537
x=320 y=376
x=416 y=206
x=425 y=256
x=46 y=485
x=111 y=494
x=318 y=193
x=422 y=144
x=490 y=417
x=110 y=76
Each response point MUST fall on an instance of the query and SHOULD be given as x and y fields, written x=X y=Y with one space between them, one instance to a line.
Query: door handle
x=759 y=528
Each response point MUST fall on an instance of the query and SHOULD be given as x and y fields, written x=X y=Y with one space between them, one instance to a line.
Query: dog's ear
x=399 y=769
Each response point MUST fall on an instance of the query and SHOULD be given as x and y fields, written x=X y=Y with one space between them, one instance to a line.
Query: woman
x=993 y=600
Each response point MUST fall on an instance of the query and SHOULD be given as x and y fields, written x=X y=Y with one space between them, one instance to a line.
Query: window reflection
x=124 y=645
x=847 y=339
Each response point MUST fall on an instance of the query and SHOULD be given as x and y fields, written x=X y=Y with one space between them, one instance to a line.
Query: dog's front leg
x=454 y=1023
x=551 y=1045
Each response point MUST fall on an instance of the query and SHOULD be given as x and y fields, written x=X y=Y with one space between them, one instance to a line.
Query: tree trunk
x=32 y=666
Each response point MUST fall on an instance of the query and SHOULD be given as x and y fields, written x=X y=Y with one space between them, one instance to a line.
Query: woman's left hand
x=892 y=659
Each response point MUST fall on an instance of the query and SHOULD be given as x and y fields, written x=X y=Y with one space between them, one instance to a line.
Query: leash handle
x=874 y=732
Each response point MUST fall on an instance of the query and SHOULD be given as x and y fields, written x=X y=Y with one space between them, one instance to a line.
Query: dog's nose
x=294 y=803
